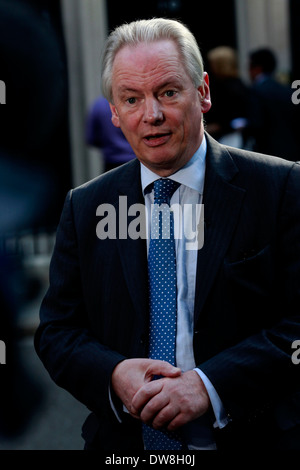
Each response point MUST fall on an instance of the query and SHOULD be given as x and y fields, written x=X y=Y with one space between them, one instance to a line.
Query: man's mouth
x=153 y=140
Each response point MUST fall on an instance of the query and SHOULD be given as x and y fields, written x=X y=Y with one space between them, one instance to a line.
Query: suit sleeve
x=75 y=360
x=251 y=375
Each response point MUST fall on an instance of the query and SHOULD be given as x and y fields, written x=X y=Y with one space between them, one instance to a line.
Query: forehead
x=148 y=63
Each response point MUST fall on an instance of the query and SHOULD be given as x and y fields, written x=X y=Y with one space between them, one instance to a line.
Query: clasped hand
x=170 y=401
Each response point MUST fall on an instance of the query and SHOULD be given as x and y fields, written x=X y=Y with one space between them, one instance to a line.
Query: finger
x=153 y=407
x=165 y=416
x=163 y=368
x=179 y=420
x=144 y=394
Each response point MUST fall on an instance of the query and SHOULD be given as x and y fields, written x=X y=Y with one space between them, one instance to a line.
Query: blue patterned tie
x=163 y=297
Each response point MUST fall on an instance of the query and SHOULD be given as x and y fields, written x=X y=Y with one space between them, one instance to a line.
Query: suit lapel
x=133 y=253
x=222 y=203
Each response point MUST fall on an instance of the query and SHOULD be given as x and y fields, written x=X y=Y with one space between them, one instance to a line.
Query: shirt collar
x=190 y=175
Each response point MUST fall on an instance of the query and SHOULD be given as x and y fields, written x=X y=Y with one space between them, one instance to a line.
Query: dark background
x=210 y=29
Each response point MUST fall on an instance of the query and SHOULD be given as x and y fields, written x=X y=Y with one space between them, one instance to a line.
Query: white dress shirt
x=188 y=195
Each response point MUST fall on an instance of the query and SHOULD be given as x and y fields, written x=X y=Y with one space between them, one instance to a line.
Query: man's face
x=157 y=106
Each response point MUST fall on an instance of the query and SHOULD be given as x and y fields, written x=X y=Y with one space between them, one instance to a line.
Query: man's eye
x=131 y=100
x=170 y=93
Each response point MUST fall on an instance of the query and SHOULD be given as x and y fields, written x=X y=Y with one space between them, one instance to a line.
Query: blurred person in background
x=102 y=134
x=33 y=73
x=226 y=123
x=33 y=121
x=273 y=118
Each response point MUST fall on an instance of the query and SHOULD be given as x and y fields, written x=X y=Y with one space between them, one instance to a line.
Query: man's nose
x=152 y=111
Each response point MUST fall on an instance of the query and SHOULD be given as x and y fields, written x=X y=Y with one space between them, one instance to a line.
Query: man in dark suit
x=234 y=383
x=273 y=118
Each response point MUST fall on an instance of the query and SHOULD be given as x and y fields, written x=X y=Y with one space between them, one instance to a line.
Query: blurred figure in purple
x=101 y=133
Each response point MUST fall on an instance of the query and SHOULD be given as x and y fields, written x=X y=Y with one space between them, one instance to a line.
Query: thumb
x=162 y=368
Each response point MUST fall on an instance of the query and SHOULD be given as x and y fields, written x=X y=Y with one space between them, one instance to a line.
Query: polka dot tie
x=163 y=297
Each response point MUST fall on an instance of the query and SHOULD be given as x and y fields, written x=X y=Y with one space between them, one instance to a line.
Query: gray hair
x=152 y=30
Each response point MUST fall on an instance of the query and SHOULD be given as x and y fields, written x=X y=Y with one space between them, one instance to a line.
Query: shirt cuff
x=113 y=407
x=219 y=411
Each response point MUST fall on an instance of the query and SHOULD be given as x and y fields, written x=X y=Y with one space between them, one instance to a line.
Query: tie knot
x=164 y=190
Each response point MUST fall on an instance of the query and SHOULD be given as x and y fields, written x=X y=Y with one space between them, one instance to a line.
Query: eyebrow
x=123 y=89
x=174 y=82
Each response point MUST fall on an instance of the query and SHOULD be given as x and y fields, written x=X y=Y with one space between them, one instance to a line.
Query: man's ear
x=205 y=94
x=114 y=115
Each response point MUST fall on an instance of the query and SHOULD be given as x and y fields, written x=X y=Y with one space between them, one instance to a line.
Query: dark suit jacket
x=274 y=119
x=246 y=308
